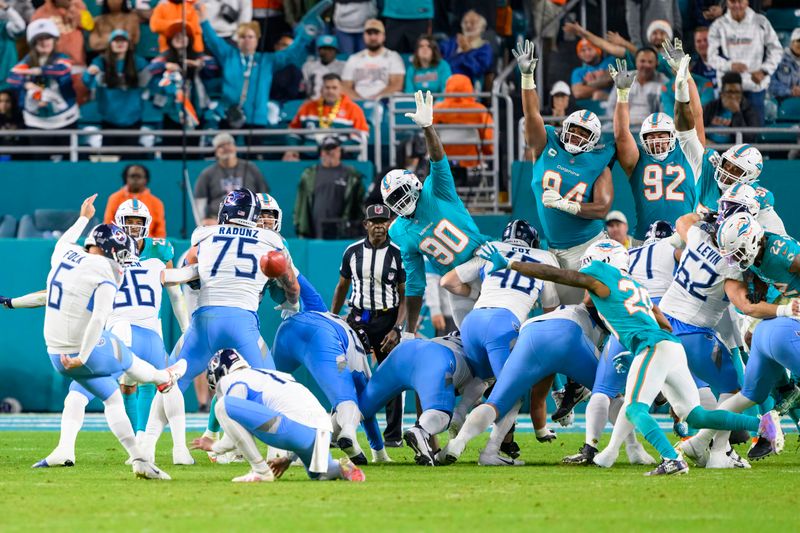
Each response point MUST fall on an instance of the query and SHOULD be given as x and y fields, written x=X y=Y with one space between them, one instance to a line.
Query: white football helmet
x=659 y=149
x=133 y=208
x=747 y=159
x=400 y=191
x=738 y=199
x=575 y=143
x=606 y=251
x=739 y=240
x=270 y=211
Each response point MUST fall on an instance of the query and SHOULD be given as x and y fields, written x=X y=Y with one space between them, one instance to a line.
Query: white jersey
x=355 y=357
x=190 y=296
x=578 y=314
x=277 y=391
x=653 y=265
x=508 y=289
x=697 y=295
x=770 y=221
x=462 y=375
x=228 y=258
x=74 y=276
x=138 y=300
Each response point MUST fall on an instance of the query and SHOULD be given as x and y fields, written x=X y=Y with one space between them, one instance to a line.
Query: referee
x=372 y=266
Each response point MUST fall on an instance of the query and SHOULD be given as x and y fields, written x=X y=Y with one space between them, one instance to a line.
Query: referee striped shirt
x=375 y=274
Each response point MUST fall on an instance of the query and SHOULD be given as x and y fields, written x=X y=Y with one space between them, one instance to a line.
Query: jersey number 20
x=447 y=241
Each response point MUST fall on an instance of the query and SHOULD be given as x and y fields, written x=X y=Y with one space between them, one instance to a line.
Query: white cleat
x=175 y=372
x=182 y=456
x=50 y=461
x=722 y=460
x=255 y=477
x=229 y=457
x=605 y=458
x=495 y=459
x=451 y=452
x=690 y=448
x=380 y=456
x=147 y=470
x=637 y=455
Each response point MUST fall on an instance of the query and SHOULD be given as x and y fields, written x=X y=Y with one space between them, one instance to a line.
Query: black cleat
x=511 y=449
x=359 y=460
x=584 y=457
x=417 y=441
x=760 y=450
x=740 y=436
x=393 y=443
x=550 y=437
x=669 y=467
x=574 y=393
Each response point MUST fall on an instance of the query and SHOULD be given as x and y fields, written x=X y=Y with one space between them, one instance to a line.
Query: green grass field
x=101 y=494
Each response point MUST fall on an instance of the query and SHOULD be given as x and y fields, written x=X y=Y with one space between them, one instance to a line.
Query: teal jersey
x=440 y=228
x=157 y=248
x=662 y=190
x=708 y=192
x=573 y=176
x=774 y=268
x=627 y=311
x=766 y=200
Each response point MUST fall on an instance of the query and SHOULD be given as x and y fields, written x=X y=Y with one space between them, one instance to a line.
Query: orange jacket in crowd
x=168 y=13
x=458 y=83
x=349 y=115
x=158 y=227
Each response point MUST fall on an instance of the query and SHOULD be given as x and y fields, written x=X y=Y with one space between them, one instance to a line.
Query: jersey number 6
x=448 y=241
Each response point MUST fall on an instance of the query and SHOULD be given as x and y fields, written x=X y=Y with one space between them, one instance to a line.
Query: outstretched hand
x=525 y=58
x=423 y=116
x=87 y=207
x=312 y=21
x=490 y=253
x=673 y=53
x=622 y=77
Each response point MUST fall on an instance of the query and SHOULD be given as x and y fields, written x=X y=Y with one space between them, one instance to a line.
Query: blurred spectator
x=329 y=197
x=375 y=72
x=468 y=53
x=71 y=18
x=731 y=110
x=464 y=110
x=703 y=13
x=639 y=14
x=645 y=96
x=247 y=74
x=786 y=80
x=135 y=179
x=349 y=20
x=705 y=89
x=24 y=8
x=181 y=101
x=591 y=79
x=332 y=110
x=294 y=10
x=407 y=20
x=118 y=76
x=326 y=63
x=225 y=16
x=227 y=174
x=12 y=26
x=116 y=15
x=617 y=228
x=44 y=84
x=428 y=71
x=287 y=82
x=560 y=105
x=700 y=64
x=10 y=120
x=743 y=41
x=271 y=19
x=169 y=13
x=657 y=32
x=545 y=21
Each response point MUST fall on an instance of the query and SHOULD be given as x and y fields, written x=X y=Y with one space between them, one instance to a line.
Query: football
x=274 y=264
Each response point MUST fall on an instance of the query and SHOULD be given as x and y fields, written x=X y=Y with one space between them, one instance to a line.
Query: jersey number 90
x=447 y=241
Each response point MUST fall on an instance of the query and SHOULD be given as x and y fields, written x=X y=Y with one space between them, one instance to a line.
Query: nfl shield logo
x=390 y=276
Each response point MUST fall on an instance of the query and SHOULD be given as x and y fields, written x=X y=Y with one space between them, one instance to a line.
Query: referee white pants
x=662 y=368
x=570 y=258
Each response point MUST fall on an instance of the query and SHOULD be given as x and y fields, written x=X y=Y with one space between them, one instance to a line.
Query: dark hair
x=125 y=7
x=173 y=55
x=643 y=50
x=731 y=78
x=131 y=166
x=14 y=114
x=33 y=56
x=128 y=78
x=331 y=76
x=437 y=54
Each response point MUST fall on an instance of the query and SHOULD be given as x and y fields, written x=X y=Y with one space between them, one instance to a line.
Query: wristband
x=528 y=82
x=784 y=310
x=622 y=95
x=682 y=92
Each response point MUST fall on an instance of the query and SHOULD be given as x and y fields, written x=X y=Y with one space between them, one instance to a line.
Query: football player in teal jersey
x=655 y=357
x=571 y=175
x=431 y=220
x=663 y=180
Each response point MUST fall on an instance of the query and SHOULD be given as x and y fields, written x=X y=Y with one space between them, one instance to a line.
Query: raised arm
x=616 y=50
x=535 y=134
x=684 y=224
x=72 y=235
x=627 y=151
x=685 y=124
x=423 y=117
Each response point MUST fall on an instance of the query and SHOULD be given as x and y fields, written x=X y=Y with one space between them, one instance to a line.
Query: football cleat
x=770 y=428
x=670 y=467
x=347 y=445
x=451 y=452
x=759 y=450
x=726 y=460
x=350 y=471
x=380 y=456
x=606 y=458
x=255 y=477
x=45 y=464
x=175 y=372
x=788 y=401
x=690 y=448
x=393 y=444
x=574 y=393
x=182 y=456
x=495 y=459
x=550 y=437
x=584 y=456
x=417 y=440
x=637 y=455
x=147 y=470
x=511 y=449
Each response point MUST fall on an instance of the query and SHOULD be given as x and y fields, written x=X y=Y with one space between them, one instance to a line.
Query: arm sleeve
x=347 y=73
x=414 y=266
x=29 y=301
x=72 y=235
x=344 y=268
x=396 y=65
x=692 y=149
x=471 y=270
x=294 y=54
x=774 y=50
x=444 y=186
x=181 y=275
x=103 y=307
x=218 y=48
x=432 y=296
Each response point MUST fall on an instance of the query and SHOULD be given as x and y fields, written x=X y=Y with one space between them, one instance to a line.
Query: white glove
x=406 y=336
x=423 y=117
x=526 y=63
x=553 y=200
x=790 y=310
x=682 y=80
x=288 y=309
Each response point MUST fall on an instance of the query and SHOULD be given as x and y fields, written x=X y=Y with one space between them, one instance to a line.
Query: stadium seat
x=789 y=110
x=779 y=137
x=48 y=223
x=8 y=227
x=784 y=19
x=289 y=110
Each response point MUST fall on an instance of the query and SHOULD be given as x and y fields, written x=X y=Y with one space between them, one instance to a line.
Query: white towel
x=319 y=459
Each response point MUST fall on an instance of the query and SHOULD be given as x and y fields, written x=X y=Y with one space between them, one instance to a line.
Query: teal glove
x=491 y=254
x=312 y=22
x=622 y=362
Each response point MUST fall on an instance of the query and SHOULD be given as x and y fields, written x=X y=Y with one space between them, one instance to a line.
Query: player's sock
x=213 y=423
x=243 y=439
x=720 y=419
x=433 y=421
x=119 y=424
x=476 y=423
x=637 y=413
x=596 y=417
x=558 y=382
x=71 y=423
x=129 y=401
x=156 y=421
x=175 y=412
x=147 y=392
x=501 y=428
x=707 y=398
x=721 y=439
x=348 y=417
x=614 y=407
x=144 y=372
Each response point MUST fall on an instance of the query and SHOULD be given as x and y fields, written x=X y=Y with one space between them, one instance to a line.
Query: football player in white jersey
x=227 y=259
x=491 y=328
x=81 y=288
x=272 y=407
x=652 y=265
